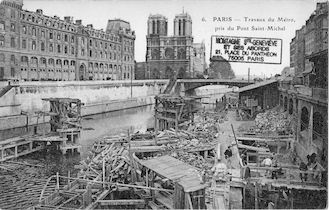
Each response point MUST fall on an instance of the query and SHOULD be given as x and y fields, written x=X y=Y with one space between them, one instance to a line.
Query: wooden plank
x=243 y=138
x=258 y=149
x=120 y=202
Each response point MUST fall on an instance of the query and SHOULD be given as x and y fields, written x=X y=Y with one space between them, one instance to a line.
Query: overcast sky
x=97 y=12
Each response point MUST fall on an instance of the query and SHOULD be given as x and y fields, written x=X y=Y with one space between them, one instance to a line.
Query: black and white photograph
x=163 y=104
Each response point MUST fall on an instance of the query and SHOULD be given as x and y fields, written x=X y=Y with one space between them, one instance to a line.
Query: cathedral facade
x=34 y=46
x=169 y=56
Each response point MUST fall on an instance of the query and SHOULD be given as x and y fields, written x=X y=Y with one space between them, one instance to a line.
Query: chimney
x=90 y=26
x=78 y=22
x=39 y=11
x=68 y=19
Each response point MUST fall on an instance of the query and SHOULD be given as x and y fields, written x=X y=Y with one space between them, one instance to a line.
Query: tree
x=220 y=68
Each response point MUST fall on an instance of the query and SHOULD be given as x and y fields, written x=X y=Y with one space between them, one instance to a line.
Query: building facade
x=307 y=99
x=34 y=46
x=169 y=56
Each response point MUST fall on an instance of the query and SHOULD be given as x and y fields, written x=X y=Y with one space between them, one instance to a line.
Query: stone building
x=34 y=46
x=307 y=99
x=169 y=56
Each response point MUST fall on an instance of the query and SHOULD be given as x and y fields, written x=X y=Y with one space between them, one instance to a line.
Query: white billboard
x=247 y=49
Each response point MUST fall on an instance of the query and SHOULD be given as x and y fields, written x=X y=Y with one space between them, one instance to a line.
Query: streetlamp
x=131 y=82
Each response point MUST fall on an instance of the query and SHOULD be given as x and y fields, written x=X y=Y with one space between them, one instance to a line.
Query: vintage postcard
x=163 y=104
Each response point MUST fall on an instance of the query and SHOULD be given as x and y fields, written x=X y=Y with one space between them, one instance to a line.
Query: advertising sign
x=247 y=49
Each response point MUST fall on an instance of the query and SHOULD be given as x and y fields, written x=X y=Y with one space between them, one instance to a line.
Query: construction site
x=193 y=159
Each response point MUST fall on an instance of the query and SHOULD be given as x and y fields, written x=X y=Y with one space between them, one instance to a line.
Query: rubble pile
x=273 y=121
x=195 y=160
x=113 y=157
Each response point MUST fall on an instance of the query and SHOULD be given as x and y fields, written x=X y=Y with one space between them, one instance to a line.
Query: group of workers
x=311 y=164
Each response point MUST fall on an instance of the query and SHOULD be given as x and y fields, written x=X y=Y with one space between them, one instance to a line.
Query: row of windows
x=49 y=70
x=60 y=49
x=64 y=26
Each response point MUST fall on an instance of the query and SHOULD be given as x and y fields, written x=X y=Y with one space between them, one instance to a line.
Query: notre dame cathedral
x=173 y=56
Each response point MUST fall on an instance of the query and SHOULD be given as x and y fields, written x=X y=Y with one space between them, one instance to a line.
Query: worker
x=228 y=154
x=303 y=167
x=219 y=170
x=267 y=162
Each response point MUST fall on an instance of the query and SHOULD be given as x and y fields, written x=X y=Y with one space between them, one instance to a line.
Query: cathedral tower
x=157 y=25
x=183 y=25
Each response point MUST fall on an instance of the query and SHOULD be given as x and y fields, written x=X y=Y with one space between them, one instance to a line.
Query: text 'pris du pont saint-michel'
x=246 y=23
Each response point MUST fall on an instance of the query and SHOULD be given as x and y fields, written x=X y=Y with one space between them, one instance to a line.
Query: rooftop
x=176 y=171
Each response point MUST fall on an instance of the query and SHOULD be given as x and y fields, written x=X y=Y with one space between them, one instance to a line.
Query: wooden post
x=176 y=121
x=103 y=172
x=156 y=121
x=291 y=199
x=152 y=185
x=16 y=151
x=57 y=181
x=236 y=141
x=68 y=180
x=147 y=177
x=256 y=196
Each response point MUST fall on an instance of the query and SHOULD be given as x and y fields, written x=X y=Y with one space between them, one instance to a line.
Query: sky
x=202 y=12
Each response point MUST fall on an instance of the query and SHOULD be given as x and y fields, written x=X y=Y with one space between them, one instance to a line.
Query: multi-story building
x=293 y=53
x=169 y=56
x=34 y=46
x=308 y=100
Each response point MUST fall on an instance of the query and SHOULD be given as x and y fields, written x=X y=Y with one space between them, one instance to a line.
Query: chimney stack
x=78 y=22
x=68 y=19
x=39 y=11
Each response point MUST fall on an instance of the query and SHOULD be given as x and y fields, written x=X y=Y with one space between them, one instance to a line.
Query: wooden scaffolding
x=171 y=111
x=65 y=121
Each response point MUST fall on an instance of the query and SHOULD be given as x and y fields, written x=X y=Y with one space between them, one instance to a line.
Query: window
x=58 y=36
x=65 y=49
x=12 y=27
x=2 y=72
x=12 y=42
x=24 y=59
x=34 y=45
x=12 y=59
x=2 y=26
x=58 y=48
x=2 y=40
x=83 y=41
x=90 y=53
x=65 y=37
x=51 y=48
x=34 y=33
x=42 y=46
x=90 y=42
x=43 y=34
x=72 y=50
x=82 y=52
x=72 y=39
x=50 y=35
x=12 y=14
x=24 y=30
x=2 y=57
x=12 y=72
